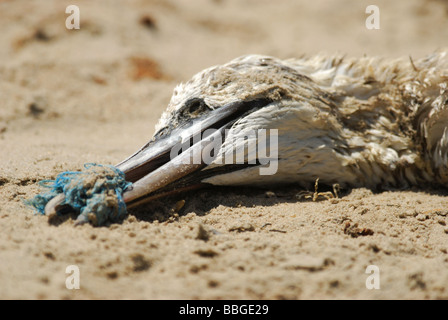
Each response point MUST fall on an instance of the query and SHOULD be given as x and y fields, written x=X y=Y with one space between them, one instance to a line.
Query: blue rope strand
x=95 y=194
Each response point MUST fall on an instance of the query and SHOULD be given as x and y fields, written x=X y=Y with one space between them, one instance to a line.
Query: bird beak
x=171 y=163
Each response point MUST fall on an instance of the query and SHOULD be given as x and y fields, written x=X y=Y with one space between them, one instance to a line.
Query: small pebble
x=421 y=217
x=202 y=233
x=242 y=227
x=402 y=215
x=363 y=211
x=306 y=262
x=270 y=194
x=442 y=212
x=179 y=205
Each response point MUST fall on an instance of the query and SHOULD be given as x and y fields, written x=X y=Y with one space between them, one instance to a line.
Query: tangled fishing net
x=95 y=194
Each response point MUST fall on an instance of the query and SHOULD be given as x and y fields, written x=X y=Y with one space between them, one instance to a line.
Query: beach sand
x=69 y=97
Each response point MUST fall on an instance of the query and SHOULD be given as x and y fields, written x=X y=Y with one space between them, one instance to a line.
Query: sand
x=68 y=97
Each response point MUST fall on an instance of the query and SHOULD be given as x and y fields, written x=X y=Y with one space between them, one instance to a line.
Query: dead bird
x=367 y=122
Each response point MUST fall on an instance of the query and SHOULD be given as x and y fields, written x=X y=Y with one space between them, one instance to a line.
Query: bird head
x=225 y=126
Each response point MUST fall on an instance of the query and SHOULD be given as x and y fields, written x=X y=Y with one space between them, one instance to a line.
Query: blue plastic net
x=95 y=193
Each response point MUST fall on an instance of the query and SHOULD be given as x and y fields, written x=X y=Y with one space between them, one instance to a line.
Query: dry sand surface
x=68 y=97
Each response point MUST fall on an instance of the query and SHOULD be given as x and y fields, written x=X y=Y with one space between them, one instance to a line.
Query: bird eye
x=195 y=106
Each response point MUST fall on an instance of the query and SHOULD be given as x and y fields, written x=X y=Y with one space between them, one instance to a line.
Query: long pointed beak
x=154 y=184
